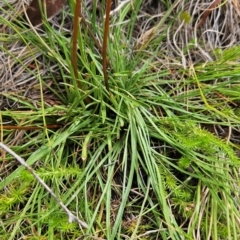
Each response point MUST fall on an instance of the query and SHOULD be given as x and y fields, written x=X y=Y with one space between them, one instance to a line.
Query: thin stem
x=105 y=38
x=77 y=15
x=13 y=127
x=75 y=39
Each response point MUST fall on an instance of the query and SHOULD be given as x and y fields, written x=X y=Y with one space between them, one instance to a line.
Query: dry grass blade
x=208 y=11
x=236 y=5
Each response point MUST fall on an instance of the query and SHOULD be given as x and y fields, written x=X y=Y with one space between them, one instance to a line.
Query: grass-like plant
x=144 y=148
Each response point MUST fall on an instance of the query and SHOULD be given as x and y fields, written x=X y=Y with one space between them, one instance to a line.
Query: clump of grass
x=155 y=157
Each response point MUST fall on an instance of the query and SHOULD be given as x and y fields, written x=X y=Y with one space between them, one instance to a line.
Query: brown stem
x=211 y=7
x=105 y=38
x=75 y=39
x=77 y=14
x=13 y=127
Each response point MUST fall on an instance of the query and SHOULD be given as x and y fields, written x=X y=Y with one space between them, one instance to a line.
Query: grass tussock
x=154 y=157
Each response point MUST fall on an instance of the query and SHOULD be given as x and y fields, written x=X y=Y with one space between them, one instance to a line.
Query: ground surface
x=157 y=156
